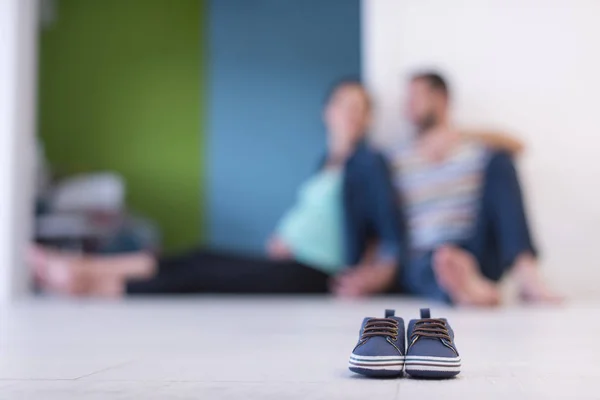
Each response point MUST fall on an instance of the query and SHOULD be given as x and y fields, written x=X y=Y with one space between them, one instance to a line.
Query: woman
x=319 y=245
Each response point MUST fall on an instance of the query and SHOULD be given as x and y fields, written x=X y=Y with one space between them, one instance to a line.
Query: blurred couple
x=441 y=216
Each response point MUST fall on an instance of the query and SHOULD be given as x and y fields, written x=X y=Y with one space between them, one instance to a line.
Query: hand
x=277 y=249
x=363 y=280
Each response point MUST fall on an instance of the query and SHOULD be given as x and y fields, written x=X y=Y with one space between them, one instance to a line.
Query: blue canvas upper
x=382 y=345
x=431 y=347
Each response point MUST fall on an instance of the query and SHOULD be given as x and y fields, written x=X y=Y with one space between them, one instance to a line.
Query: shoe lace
x=380 y=327
x=431 y=328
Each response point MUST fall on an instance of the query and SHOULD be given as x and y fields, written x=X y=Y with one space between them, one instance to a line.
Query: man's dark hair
x=435 y=81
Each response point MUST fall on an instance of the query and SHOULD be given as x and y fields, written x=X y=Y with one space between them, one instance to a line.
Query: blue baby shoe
x=431 y=349
x=380 y=348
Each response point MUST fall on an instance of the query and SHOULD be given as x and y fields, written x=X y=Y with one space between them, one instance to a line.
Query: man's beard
x=426 y=123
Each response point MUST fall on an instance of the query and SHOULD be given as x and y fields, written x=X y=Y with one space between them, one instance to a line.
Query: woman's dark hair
x=347 y=82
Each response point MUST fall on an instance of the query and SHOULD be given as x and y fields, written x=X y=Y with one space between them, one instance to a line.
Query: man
x=462 y=204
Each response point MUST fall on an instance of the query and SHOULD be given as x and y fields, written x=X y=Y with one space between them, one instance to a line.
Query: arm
x=377 y=267
x=496 y=140
x=385 y=214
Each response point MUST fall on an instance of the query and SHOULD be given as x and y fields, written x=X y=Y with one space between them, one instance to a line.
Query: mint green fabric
x=313 y=227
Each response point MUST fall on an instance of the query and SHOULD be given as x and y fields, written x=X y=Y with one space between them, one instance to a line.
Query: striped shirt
x=440 y=199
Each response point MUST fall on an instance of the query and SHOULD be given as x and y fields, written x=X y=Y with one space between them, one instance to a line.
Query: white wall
x=531 y=67
x=17 y=104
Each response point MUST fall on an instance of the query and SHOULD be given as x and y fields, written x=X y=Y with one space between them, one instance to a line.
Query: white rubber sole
x=433 y=364
x=377 y=363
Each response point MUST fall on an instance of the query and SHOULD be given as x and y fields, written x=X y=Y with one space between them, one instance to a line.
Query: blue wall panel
x=270 y=65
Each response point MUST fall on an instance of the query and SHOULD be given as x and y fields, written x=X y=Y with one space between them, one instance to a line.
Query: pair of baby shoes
x=425 y=350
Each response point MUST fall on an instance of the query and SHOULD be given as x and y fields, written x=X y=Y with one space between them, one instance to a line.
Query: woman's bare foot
x=532 y=287
x=456 y=272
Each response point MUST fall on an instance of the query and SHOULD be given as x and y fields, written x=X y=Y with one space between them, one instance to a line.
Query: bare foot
x=57 y=272
x=363 y=280
x=532 y=287
x=70 y=274
x=457 y=272
x=109 y=287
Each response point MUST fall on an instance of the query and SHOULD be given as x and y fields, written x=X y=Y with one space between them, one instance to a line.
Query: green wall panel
x=121 y=88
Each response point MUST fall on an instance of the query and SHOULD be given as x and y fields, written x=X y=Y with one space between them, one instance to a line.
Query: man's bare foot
x=457 y=272
x=532 y=287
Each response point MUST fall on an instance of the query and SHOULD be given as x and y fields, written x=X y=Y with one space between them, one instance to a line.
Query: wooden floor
x=281 y=348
